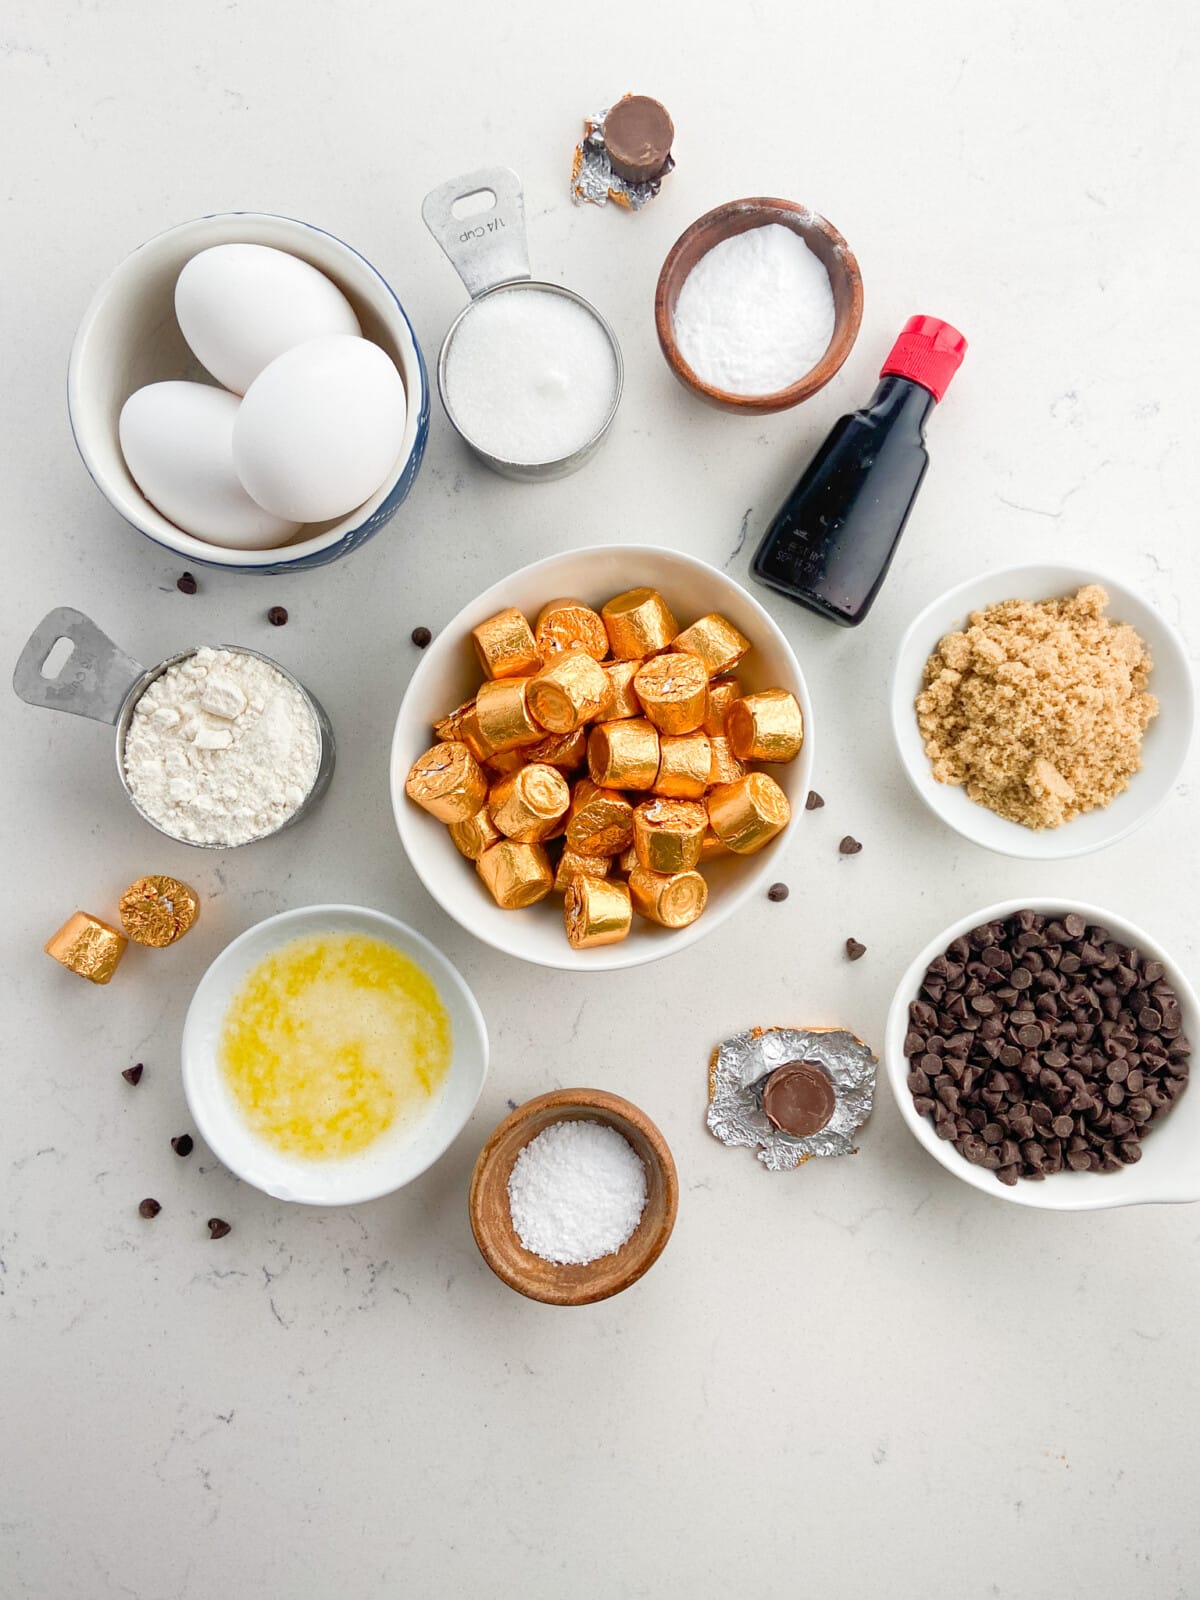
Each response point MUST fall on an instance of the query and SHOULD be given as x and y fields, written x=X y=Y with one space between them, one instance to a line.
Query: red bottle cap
x=929 y=351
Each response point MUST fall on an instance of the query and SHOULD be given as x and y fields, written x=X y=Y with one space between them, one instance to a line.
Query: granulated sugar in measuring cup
x=216 y=747
x=530 y=374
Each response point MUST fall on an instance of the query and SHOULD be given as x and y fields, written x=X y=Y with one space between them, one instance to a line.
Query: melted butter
x=332 y=1040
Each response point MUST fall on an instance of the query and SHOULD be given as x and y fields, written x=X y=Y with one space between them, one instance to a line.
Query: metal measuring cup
x=490 y=252
x=99 y=681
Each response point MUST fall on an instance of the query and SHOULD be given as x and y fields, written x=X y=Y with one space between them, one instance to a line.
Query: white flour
x=576 y=1192
x=755 y=313
x=221 y=749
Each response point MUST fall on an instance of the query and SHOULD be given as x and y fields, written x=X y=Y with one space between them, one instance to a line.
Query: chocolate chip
x=849 y=846
x=186 y=584
x=217 y=1229
x=277 y=616
x=149 y=1209
x=134 y=1074
x=182 y=1144
x=854 y=950
x=814 y=801
x=421 y=637
x=777 y=892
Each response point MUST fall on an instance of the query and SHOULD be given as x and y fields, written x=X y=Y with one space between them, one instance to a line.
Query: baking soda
x=576 y=1192
x=755 y=313
x=530 y=376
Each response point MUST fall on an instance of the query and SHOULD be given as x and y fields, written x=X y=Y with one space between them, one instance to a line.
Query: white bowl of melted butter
x=331 y=1055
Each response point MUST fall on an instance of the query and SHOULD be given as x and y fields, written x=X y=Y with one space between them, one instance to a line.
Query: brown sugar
x=1038 y=707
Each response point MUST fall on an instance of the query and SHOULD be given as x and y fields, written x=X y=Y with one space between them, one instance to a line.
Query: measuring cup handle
x=489 y=246
x=93 y=681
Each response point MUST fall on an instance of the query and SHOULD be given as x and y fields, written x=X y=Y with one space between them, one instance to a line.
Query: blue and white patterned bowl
x=129 y=337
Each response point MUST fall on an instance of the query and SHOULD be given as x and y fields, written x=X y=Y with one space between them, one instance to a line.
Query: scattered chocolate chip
x=277 y=616
x=217 y=1229
x=849 y=846
x=777 y=891
x=182 y=1144
x=854 y=951
x=421 y=637
x=134 y=1074
x=814 y=801
x=148 y=1209
x=186 y=584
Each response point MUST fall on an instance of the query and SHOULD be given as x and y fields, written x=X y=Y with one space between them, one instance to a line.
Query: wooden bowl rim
x=845 y=328
x=583 y=1100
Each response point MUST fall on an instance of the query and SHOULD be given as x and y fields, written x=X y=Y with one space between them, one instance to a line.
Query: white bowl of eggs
x=247 y=391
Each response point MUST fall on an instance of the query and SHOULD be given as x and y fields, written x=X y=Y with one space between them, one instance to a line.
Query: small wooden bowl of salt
x=571 y=1173
x=758 y=304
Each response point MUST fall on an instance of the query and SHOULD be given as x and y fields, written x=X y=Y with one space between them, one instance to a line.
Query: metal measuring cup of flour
x=490 y=252
x=101 y=682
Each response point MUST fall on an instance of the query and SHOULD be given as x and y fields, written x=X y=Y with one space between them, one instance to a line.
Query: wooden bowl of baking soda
x=758 y=304
x=573 y=1197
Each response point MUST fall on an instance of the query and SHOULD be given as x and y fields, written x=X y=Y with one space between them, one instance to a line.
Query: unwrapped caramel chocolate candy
x=158 y=910
x=673 y=690
x=447 y=781
x=596 y=911
x=475 y=835
x=765 y=727
x=685 y=760
x=571 y=865
x=600 y=822
x=724 y=766
x=516 y=874
x=667 y=834
x=722 y=692
x=673 y=900
x=716 y=642
x=639 y=623
x=505 y=645
x=571 y=689
x=87 y=947
x=530 y=804
x=625 y=702
x=749 y=813
x=502 y=712
x=623 y=755
x=570 y=625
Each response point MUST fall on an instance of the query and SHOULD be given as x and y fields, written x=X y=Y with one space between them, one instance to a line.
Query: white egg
x=241 y=305
x=320 y=429
x=177 y=439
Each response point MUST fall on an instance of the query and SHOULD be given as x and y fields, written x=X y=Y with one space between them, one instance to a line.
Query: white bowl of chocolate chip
x=1038 y=1049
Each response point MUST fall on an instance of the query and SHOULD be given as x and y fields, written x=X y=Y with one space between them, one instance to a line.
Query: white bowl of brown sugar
x=1042 y=711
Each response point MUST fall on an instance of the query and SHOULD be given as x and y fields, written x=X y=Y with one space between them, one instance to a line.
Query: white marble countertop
x=861 y=1378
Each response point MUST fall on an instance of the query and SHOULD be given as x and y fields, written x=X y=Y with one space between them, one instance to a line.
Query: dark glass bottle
x=831 y=543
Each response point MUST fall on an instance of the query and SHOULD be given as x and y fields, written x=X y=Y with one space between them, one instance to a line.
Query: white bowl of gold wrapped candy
x=601 y=758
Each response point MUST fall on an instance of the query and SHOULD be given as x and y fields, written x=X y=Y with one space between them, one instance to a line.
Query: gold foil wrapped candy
x=447 y=781
x=87 y=947
x=571 y=866
x=570 y=625
x=722 y=692
x=765 y=727
x=475 y=835
x=571 y=689
x=530 y=804
x=505 y=645
x=673 y=690
x=565 y=750
x=667 y=834
x=685 y=760
x=673 y=900
x=724 y=766
x=623 y=755
x=624 y=702
x=639 y=623
x=463 y=725
x=502 y=712
x=516 y=874
x=600 y=821
x=711 y=847
x=158 y=910
x=715 y=642
x=596 y=911
x=501 y=762
x=749 y=813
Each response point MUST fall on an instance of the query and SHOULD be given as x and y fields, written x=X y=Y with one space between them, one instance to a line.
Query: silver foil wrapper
x=593 y=181
x=741 y=1066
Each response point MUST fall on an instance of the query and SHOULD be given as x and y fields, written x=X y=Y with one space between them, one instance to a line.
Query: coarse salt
x=530 y=376
x=576 y=1192
x=755 y=313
